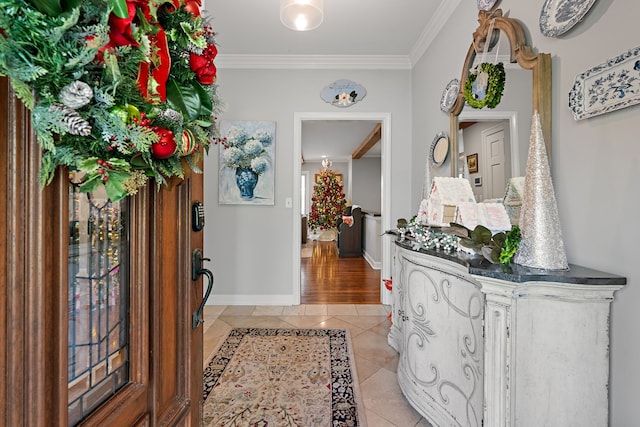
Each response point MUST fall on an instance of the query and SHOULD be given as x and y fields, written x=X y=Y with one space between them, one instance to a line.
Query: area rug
x=283 y=377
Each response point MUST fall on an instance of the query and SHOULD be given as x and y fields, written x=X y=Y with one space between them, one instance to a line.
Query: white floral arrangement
x=242 y=150
x=425 y=237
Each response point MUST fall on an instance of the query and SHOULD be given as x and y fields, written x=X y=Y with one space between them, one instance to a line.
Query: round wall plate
x=559 y=16
x=449 y=95
x=486 y=4
x=439 y=149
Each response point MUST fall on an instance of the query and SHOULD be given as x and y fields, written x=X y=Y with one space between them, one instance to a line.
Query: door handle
x=196 y=271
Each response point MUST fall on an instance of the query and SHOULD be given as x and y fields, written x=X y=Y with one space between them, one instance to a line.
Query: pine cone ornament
x=172 y=116
x=76 y=125
x=76 y=95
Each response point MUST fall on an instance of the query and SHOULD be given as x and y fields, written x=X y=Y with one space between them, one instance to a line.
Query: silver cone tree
x=541 y=245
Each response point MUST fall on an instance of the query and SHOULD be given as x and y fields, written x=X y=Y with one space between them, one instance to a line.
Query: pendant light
x=301 y=15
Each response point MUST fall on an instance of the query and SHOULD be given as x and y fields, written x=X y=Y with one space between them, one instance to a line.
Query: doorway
x=385 y=160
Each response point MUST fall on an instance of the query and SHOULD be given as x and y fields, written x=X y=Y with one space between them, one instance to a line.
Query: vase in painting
x=246 y=180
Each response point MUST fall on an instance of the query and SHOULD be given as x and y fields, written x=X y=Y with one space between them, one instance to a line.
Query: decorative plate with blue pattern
x=449 y=95
x=559 y=16
x=610 y=86
x=486 y=4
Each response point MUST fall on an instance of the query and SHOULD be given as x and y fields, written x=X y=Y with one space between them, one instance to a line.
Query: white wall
x=251 y=246
x=594 y=161
x=366 y=184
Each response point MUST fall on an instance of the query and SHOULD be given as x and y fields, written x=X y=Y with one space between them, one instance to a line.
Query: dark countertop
x=480 y=266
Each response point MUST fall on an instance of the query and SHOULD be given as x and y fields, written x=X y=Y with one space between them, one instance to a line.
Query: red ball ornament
x=166 y=146
x=193 y=6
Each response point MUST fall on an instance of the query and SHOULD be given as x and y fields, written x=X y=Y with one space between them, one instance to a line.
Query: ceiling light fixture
x=301 y=15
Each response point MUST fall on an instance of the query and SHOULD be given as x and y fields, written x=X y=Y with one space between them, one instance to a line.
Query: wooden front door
x=96 y=299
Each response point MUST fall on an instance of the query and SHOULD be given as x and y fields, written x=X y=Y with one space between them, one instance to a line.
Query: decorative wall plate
x=343 y=93
x=559 y=16
x=439 y=149
x=449 y=95
x=610 y=86
x=486 y=4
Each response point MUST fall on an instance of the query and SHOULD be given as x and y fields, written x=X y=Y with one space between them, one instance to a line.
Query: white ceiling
x=376 y=31
x=350 y=27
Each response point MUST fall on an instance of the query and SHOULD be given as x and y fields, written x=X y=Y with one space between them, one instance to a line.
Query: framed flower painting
x=247 y=154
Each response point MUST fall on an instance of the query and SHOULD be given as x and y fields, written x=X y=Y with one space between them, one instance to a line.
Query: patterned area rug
x=283 y=377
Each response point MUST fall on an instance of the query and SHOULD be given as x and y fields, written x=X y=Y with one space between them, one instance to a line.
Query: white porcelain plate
x=610 y=86
x=486 y=4
x=559 y=16
x=449 y=95
x=439 y=149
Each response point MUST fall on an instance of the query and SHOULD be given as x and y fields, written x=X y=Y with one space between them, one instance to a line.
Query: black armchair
x=350 y=236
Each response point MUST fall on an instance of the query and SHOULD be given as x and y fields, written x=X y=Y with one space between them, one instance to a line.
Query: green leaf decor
x=484 y=85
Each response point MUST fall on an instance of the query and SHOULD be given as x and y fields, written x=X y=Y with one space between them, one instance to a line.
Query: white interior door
x=494 y=155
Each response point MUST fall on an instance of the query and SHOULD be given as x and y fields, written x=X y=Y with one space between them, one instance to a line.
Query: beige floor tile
x=371 y=310
x=293 y=310
x=424 y=423
x=365 y=368
x=238 y=310
x=374 y=348
x=315 y=310
x=382 y=328
x=342 y=309
x=255 y=321
x=335 y=323
x=268 y=310
x=213 y=310
x=305 y=321
x=382 y=396
x=374 y=420
x=213 y=336
x=364 y=322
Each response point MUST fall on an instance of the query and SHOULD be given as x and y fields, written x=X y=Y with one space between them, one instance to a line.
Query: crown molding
x=315 y=62
x=438 y=20
x=346 y=62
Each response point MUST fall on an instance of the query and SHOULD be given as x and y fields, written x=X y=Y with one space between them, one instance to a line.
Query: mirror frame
x=522 y=54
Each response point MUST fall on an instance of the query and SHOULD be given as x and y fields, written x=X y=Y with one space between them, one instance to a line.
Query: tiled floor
x=376 y=361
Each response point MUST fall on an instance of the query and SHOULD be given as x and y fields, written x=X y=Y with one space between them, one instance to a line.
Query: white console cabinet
x=481 y=346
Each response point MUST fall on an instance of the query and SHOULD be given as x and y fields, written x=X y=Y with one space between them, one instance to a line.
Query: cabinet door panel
x=443 y=343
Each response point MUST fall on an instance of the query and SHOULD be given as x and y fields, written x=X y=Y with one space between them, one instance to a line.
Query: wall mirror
x=527 y=90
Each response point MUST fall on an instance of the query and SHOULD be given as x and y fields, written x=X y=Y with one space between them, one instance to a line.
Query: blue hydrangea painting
x=246 y=173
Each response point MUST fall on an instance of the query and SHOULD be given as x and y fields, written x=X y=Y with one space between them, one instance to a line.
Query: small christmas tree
x=328 y=201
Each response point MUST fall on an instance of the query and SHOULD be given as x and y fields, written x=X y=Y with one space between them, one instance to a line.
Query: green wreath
x=495 y=85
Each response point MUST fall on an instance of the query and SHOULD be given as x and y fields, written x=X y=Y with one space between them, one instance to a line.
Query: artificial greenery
x=511 y=244
x=497 y=248
x=119 y=90
x=495 y=85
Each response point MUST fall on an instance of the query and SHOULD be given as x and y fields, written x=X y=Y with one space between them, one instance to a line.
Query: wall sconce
x=302 y=15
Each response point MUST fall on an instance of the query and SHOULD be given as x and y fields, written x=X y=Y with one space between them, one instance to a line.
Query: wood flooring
x=329 y=279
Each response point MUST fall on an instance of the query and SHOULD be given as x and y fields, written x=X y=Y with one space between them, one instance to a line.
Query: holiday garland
x=120 y=91
x=487 y=92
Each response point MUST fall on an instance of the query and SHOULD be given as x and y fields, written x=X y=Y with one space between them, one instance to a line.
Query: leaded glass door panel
x=98 y=301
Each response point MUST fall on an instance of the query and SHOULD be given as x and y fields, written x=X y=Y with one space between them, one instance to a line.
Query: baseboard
x=376 y=265
x=250 y=300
